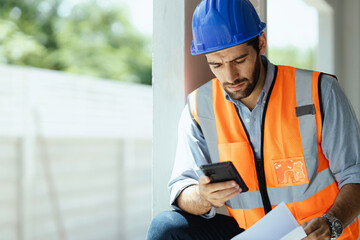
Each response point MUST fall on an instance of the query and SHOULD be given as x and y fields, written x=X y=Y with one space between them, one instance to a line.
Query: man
x=290 y=133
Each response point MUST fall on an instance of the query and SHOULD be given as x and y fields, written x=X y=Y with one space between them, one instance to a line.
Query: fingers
x=213 y=187
x=218 y=193
x=218 y=198
x=316 y=228
x=204 y=180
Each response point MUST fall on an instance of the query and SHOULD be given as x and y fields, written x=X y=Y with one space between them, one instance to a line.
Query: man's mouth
x=236 y=86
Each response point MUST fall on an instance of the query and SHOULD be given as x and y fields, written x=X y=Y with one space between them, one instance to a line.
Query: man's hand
x=217 y=193
x=346 y=208
x=200 y=198
x=316 y=228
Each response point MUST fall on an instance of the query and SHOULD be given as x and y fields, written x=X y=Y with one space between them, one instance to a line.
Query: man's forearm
x=347 y=204
x=191 y=201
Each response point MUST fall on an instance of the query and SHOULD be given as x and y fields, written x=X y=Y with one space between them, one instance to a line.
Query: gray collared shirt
x=253 y=118
x=340 y=136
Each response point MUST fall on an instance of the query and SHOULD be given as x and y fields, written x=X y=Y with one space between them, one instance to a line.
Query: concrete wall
x=80 y=189
x=75 y=157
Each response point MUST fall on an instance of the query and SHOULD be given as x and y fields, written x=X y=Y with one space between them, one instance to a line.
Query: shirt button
x=256 y=150
x=247 y=120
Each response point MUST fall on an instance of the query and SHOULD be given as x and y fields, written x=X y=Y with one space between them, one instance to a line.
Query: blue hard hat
x=219 y=24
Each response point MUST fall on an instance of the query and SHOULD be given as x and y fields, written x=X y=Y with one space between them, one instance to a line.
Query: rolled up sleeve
x=191 y=153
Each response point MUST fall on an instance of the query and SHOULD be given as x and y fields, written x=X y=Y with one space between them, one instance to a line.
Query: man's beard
x=238 y=95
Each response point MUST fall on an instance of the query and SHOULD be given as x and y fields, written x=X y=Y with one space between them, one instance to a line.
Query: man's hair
x=254 y=42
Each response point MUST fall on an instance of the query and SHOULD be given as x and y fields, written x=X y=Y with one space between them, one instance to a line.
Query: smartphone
x=223 y=171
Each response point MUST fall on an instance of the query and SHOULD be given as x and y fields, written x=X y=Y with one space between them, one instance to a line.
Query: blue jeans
x=176 y=225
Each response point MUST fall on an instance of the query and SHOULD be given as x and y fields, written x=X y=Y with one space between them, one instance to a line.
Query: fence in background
x=75 y=157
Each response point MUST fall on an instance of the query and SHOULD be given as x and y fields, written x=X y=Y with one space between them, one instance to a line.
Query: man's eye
x=216 y=66
x=238 y=62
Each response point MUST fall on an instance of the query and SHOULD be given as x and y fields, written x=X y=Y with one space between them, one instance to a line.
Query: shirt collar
x=270 y=70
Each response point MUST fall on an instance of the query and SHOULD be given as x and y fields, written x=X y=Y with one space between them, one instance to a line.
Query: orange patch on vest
x=290 y=172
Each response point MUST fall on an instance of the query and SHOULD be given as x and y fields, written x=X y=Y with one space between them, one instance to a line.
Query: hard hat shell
x=219 y=24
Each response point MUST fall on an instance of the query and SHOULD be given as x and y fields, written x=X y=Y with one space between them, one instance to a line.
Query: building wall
x=75 y=157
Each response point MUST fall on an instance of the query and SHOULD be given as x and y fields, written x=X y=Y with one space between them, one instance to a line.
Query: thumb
x=204 y=180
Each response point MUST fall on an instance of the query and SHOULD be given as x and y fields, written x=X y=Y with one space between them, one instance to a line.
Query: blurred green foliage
x=87 y=37
x=292 y=56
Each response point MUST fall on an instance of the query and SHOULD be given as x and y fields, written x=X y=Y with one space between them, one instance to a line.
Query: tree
x=88 y=38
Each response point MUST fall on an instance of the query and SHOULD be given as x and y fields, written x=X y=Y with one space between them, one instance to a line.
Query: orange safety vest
x=293 y=168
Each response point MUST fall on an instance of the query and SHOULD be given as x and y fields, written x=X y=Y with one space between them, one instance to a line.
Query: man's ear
x=262 y=43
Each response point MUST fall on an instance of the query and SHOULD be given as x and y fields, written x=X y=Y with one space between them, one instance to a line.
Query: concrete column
x=325 y=53
x=347 y=48
x=168 y=92
x=175 y=74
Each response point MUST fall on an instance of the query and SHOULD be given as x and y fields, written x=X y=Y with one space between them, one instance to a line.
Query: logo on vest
x=290 y=171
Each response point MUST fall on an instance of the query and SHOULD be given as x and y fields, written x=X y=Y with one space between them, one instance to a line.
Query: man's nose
x=231 y=73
